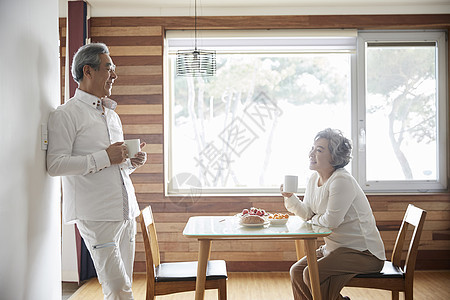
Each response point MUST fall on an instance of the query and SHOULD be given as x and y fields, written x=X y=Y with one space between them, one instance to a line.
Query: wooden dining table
x=208 y=228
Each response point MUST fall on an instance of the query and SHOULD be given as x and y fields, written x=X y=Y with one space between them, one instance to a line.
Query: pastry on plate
x=252 y=219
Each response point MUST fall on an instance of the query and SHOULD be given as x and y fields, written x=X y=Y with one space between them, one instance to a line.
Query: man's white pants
x=111 y=244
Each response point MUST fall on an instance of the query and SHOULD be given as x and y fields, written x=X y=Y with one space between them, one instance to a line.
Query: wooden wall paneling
x=136 y=50
x=136 y=45
x=141 y=119
x=143 y=128
x=62 y=55
x=148 y=109
x=78 y=32
x=139 y=70
x=147 y=178
x=139 y=79
x=126 y=31
x=281 y=22
x=129 y=40
x=150 y=168
x=137 y=60
x=148 y=89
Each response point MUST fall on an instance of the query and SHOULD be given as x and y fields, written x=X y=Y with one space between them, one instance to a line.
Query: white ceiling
x=99 y=8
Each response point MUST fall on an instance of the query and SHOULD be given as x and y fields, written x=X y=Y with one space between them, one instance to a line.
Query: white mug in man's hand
x=133 y=146
x=290 y=184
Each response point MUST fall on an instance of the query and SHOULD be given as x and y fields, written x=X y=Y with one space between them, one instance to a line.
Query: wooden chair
x=175 y=277
x=395 y=276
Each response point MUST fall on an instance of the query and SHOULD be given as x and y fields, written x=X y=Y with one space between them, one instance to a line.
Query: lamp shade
x=196 y=63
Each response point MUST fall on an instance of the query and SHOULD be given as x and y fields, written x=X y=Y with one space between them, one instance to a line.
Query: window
x=402 y=114
x=242 y=130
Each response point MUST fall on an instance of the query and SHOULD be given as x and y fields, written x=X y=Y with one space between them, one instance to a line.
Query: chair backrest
x=415 y=217
x=152 y=256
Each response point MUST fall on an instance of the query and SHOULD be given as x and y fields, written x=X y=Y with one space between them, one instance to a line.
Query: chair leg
x=222 y=291
x=395 y=295
x=150 y=294
x=409 y=293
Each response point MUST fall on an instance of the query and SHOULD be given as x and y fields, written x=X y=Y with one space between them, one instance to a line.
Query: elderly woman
x=334 y=199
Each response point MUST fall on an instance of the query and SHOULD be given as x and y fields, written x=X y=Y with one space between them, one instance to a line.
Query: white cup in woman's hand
x=290 y=184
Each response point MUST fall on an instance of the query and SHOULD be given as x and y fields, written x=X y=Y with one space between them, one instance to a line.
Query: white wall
x=105 y=8
x=69 y=262
x=30 y=228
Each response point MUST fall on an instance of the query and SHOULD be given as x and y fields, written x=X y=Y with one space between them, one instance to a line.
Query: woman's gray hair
x=87 y=55
x=340 y=147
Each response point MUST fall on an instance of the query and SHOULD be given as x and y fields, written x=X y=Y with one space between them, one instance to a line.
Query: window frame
x=409 y=186
x=358 y=166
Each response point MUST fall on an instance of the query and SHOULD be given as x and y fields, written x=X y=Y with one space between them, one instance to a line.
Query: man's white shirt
x=79 y=132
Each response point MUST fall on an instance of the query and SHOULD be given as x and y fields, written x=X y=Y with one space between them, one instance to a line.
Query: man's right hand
x=117 y=153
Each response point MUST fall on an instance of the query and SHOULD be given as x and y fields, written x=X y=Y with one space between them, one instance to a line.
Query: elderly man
x=86 y=148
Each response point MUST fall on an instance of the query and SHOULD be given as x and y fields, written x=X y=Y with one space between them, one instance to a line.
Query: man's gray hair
x=340 y=147
x=87 y=55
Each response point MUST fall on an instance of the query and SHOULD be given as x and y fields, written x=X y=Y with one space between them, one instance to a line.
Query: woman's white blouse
x=341 y=205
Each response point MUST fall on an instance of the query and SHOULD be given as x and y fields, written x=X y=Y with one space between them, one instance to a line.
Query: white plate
x=254 y=225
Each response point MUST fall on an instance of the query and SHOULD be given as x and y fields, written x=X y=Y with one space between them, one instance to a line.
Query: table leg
x=203 y=255
x=310 y=245
x=300 y=249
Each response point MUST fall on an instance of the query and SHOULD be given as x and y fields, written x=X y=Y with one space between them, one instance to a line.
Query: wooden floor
x=428 y=285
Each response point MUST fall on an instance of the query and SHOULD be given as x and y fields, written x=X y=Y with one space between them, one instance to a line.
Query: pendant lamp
x=196 y=63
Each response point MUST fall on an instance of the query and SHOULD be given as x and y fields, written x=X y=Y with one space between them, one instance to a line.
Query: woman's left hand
x=287 y=195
